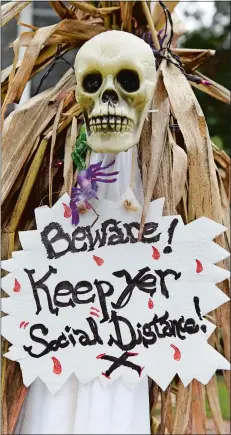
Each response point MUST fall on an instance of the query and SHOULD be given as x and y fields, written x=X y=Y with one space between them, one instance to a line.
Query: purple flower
x=87 y=187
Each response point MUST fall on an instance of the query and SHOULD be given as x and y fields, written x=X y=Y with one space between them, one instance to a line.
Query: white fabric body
x=91 y=408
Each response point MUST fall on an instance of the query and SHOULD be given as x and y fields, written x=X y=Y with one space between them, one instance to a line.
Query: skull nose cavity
x=110 y=96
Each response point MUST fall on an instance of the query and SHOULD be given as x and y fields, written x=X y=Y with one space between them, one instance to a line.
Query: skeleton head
x=115 y=74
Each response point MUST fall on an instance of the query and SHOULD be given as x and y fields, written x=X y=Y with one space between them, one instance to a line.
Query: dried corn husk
x=11 y=9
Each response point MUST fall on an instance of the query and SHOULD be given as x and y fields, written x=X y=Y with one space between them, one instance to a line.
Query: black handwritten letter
x=103 y=295
x=100 y=239
x=33 y=337
x=77 y=292
x=144 y=281
x=149 y=229
x=60 y=235
x=64 y=288
x=94 y=329
x=129 y=227
x=162 y=274
x=78 y=236
x=118 y=341
x=118 y=236
x=40 y=285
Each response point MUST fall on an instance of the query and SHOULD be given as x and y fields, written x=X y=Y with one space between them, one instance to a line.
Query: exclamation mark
x=168 y=249
x=198 y=311
x=197 y=306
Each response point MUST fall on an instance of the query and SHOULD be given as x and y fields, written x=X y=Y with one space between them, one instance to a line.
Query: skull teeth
x=110 y=123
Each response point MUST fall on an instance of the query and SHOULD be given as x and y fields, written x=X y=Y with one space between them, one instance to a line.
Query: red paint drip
x=94 y=314
x=106 y=376
x=101 y=355
x=177 y=352
x=21 y=324
x=57 y=369
x=199 y=266
x=155 y=253
x=17 y=286
x=99 y=261
x=26 y=324
x=132 y=353
x=150 y=303
x=67 y=211
x=96 y=309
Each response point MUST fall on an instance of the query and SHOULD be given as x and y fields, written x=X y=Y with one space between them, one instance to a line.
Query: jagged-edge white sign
x=95 y=302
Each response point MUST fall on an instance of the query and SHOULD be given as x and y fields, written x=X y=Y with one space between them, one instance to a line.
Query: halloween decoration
x=115 y=74
x=87 y=181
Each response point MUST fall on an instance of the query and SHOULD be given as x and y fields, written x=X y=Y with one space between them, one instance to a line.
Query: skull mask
x=115 y=74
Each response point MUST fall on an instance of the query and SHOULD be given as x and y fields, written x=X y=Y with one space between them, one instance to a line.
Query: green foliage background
x=218 y=68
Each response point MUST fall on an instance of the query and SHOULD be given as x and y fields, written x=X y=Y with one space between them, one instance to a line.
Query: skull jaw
x=114 y=142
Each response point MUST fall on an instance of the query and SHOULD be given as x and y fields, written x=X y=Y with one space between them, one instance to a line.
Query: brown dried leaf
x=164 y=407
x=53 y=139
x=154 y=425
x=22 y=129
x=81 y=30
x=203 y=187
x=62 y=10
x=183 y=403
x=198 y=408
x=199 y=59
x=169 y=414
x=15 y=46
x=14 y=394
x=223 y=161
x=22 y=76
x=68 y=161
x=215 y=90
x=157 y=141
x=92 y=10
x=164 y=183
x=126 y=14
x=179 y=171
x=11 y=9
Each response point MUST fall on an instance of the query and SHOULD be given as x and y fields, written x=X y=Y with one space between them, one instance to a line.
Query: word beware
x=112 y=232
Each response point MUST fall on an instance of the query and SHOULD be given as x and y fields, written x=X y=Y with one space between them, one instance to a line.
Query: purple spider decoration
x=87 y=181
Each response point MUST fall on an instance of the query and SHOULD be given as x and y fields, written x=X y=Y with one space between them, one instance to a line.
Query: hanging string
x=165 y=51
x=58 y=58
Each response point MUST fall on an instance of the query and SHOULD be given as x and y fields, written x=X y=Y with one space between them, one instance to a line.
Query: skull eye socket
x=92 y=82
x=128 y=80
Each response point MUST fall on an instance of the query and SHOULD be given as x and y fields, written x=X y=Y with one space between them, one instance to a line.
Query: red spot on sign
x=106 y=376
x=26 y=324
x=94 y=314
x=177 y=352
x=95 y=309
x=150 y=303
x=99 y=261
x=155 y=253
x=199 y=266
x=67 y=211
x=21 y=324
x=101 y=355
x=57 y=369
x=17 y=286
